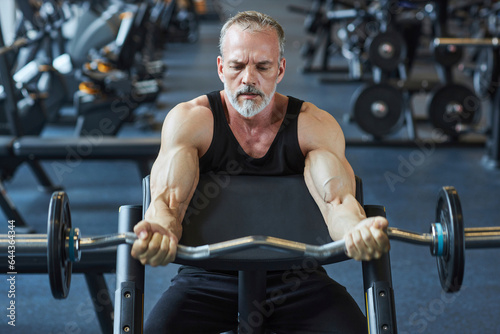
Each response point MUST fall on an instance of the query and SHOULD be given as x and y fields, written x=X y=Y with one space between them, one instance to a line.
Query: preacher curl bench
x=276 y=207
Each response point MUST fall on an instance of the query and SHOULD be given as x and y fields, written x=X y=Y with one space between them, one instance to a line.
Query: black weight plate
x=448 y=55
x=451 y=264
x=385 y=98
x=58 y=264
x=485 y=77
x=451 y=105
x=386 y=50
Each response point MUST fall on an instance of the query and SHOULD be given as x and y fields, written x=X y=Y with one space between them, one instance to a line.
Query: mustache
x=249 y=90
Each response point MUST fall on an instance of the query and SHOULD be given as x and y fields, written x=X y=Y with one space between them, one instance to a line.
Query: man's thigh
x=311 y=302
x=196 y=303
x=297 y=303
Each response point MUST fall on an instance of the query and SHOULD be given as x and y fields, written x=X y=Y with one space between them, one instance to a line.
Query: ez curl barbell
x=447 y=241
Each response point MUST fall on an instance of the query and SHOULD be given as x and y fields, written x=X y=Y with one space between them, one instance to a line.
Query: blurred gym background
x=85 y=86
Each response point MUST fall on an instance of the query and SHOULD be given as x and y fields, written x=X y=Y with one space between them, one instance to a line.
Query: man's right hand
x=155 y=244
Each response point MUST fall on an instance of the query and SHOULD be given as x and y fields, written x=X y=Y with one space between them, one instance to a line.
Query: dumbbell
x=447 y=240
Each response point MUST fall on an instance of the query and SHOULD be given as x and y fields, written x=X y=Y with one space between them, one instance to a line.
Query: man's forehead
x=239 y=60
x=237 y=42
x=243 y=54
x=238 y=29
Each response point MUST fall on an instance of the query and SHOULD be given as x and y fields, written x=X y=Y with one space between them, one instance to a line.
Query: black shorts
x=297 y=302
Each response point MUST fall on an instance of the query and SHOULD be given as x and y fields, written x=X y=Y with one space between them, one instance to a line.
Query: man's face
x=251 y=69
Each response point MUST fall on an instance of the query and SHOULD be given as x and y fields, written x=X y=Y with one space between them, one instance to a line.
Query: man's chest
x=256 y=142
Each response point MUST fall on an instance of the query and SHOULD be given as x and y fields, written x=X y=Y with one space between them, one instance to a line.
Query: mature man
x=265 y=133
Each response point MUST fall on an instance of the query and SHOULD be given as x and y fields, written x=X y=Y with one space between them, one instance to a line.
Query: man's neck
x=271 y=114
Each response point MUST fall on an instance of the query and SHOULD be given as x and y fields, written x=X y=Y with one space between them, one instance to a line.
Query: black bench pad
x=226 y=207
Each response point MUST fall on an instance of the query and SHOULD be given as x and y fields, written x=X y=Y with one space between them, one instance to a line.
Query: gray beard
x=248 y=108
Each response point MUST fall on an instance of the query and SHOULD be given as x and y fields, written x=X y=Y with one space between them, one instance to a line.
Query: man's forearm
x=174 y=177
x=168 y=219
x=343 y=216
x=331 y=184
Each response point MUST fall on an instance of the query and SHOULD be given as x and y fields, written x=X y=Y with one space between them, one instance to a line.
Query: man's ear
x=220 y=68
x=281 y=70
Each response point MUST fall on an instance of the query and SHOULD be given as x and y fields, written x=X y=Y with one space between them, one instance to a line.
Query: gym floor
x=406 y=180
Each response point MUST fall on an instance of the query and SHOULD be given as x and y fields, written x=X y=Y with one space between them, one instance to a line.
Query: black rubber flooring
x=406 y=180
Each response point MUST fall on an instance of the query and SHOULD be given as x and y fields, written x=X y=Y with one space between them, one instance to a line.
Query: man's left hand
x=368 y=240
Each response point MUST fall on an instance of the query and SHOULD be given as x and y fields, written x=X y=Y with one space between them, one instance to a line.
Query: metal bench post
x=251 y=294
x=129 y=294
x=379 y=294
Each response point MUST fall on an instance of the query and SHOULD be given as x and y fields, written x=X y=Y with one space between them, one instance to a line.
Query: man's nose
x=249 y=76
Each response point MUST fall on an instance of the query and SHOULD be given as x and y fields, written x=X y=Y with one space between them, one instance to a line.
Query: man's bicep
x=323 y=141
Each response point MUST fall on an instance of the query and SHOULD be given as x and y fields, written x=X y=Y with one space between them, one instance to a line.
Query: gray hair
x=254 y=21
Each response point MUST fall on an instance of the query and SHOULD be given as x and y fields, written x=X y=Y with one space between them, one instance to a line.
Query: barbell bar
x=483 y=237
x=447 y=241
x=475 y=237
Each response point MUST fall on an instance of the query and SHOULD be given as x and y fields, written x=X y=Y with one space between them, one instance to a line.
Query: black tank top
x=225 y=155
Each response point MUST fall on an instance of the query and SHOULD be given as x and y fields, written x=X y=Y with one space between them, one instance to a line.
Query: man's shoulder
x=199 y=104
x=317 y=128
x=192 y=114
x=190 y=123
x=197 y=108
x=311 y=114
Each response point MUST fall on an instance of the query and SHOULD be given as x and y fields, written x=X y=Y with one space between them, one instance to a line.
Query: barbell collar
x=72 y=245
x=439 y=245
x=487 y=42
